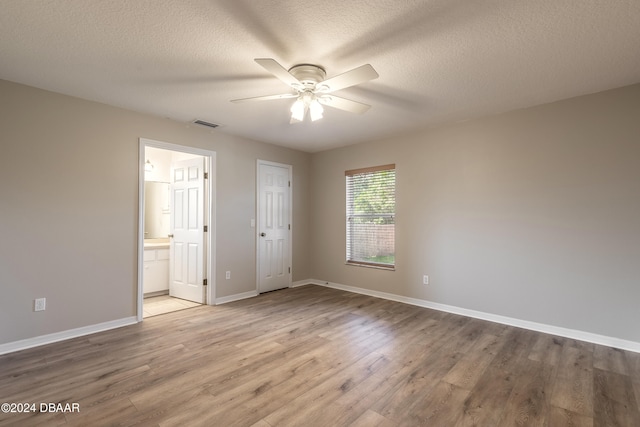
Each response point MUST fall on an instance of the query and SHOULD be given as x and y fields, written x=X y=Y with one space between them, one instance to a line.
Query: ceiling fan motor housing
x=308 y=74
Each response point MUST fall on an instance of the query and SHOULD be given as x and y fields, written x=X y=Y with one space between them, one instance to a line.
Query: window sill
x=375 y=266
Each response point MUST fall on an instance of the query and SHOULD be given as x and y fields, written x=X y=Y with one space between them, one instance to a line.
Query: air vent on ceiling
x=207 y=124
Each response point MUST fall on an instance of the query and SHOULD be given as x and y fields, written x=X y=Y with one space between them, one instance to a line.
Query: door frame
x=257 y=229
x=210 y=217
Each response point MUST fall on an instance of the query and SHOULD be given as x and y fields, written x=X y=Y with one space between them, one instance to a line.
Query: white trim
x=539 y=327
x=210 y=165
x=140 y=266
x=303 y=283
x=236 y=297
x=257 y=217
x=526 y=324
x=65 y=335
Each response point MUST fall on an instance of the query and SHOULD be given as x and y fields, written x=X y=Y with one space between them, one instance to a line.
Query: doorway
x=273 y=258
x=176 y=249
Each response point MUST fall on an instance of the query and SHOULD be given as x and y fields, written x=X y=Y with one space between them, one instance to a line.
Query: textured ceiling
x=439 y=60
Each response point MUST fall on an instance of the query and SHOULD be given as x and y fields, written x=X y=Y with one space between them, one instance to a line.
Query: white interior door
x=187 y=227
x=274 y=227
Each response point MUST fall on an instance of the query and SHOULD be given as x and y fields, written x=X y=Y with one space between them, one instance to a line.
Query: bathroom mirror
x=156 y=210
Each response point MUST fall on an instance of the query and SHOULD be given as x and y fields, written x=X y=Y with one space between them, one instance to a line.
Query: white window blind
x=371 y=207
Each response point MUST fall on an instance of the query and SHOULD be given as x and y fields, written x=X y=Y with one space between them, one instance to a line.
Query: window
x=371 y=208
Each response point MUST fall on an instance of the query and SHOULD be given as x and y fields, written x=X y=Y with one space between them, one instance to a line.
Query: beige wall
x=533 y=214
x=69 y=208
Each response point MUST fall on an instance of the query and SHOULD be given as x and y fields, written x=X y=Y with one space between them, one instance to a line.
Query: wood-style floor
x=314 y=356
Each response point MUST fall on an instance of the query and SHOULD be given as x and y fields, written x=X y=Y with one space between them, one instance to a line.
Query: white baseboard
x=236 y=297
x=534 y=326
x=65 y=335
x=303 y=282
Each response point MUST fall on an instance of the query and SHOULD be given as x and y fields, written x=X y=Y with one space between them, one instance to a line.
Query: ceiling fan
x=311 y=90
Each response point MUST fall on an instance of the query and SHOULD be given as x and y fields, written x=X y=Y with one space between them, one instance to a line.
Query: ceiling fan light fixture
x=315 y=110
x=306 y=101
x=297 y=110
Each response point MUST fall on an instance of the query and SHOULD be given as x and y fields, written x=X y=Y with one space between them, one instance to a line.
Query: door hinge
x=204 y=282
x=289 y=183
x=289 y=226
x=206 y=228
x=206 y=175
x=289 y=270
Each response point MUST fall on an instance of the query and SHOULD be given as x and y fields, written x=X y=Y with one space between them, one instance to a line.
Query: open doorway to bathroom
x=176 y=228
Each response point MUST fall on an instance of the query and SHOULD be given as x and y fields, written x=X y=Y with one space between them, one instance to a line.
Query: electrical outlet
x=227 y=275
x=39 y=304
x=425 y=280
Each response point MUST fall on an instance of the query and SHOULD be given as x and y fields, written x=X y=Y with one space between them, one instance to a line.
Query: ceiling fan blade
x=362 y=74
x=343 y=104
x=272 y=66
x=267 y=97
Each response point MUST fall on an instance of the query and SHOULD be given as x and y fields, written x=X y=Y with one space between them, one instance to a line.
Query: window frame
x=349 y=215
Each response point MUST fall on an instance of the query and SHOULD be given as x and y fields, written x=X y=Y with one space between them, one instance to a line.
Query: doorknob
x=170 y=236
x=263 y=234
